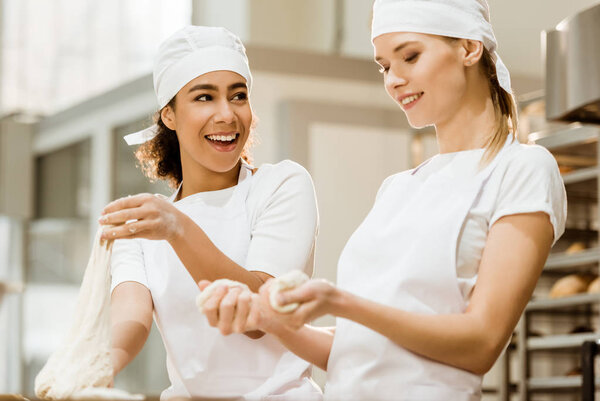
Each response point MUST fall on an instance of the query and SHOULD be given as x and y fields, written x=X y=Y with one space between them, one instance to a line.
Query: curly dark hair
x=159 y=158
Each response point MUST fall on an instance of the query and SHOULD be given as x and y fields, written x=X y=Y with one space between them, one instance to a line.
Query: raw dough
x=208 y=291
x=288 y=281
x=83 y=360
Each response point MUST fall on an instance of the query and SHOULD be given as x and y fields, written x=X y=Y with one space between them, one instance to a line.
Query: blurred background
x=75 y=76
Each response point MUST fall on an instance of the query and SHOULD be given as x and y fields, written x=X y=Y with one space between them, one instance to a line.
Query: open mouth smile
x=223 y=142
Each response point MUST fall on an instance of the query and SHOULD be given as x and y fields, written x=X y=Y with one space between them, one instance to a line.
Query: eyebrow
x=398 y=48
x=215 y=88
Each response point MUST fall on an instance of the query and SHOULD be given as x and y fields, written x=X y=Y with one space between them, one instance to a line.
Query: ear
x=472 y=51
x=167 y=115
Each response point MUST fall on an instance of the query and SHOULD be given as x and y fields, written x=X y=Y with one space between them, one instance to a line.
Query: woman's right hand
x=236 y=310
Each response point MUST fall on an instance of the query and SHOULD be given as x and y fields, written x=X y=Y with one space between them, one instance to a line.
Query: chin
x=223 y=166
x=418 y=124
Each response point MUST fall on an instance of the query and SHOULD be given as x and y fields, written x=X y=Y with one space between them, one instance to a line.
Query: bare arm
x=131 y=320
x=204 y=261
x=158 y=219
x=311 y=343
x=514 y=255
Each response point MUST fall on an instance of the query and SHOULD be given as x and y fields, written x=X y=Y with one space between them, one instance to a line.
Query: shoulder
x=524 y=161
x=285 y=181
x=275 y=175
x=531 y=156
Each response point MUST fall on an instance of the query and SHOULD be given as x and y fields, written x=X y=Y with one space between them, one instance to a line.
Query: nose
x=394 y=80
x=224 y=113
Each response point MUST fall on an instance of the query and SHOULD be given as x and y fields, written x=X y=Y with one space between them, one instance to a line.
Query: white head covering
x=466 y=19
x=187 y=54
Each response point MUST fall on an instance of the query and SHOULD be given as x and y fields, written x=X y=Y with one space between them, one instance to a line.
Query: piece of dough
x=570 y=285
x=288 y=281
x=208 y=291
x=83 y=361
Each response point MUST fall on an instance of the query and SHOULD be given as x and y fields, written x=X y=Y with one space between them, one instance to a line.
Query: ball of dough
x=570 y=285
x=208 y=291
x=594 y=286
x=288 y=281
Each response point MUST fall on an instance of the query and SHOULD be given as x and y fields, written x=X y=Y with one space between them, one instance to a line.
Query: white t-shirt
x=283 y=217
x=282 y=221
x=528 y=181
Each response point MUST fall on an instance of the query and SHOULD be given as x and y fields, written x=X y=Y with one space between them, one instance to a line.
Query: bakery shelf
x=583 y=174
x=560 y=341
x=567 y=135
x=550 y=303
x=562 y=260
x=556 y=383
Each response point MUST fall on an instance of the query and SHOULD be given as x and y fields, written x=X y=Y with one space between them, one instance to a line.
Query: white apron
x=404 y=255
x=201 y=362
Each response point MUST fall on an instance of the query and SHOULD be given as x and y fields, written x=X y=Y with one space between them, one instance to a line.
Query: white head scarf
x=187 y=54
x=465 y=19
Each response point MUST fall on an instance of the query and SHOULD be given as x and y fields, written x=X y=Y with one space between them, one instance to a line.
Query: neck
x=200 y=179
x=471 y=125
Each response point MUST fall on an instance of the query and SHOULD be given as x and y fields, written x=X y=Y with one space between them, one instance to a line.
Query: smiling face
x=424 y=74
x=212 y=118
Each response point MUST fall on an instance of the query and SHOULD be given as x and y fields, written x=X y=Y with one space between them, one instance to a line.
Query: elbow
x=485 y=356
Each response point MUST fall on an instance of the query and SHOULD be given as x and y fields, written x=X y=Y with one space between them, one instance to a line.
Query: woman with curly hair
x=225 y=220
x=432 y=283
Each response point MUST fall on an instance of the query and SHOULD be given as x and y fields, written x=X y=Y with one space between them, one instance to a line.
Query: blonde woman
x=432 y=283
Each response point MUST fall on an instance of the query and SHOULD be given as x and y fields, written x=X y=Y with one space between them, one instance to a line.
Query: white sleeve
x=127 y=263
x=532 y=183
x=285 y=227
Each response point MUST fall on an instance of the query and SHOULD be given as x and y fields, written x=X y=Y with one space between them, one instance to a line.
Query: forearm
x=459 y=340
x=131 y=322
x=313 y=344
x=204 y=261
x=127 y=339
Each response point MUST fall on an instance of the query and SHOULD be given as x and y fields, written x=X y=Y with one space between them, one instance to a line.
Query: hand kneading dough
x=208 y=291
x=570 y=285
x=288 y=281
x=82 y=366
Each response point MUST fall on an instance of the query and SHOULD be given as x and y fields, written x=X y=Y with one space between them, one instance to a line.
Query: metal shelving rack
x=556 y=140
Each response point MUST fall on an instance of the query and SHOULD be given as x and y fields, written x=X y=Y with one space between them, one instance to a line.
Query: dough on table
x=82 y=367
x=288 y=281
x=208 y=291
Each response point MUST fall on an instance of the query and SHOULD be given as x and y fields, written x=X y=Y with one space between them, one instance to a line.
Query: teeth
x=223 y=138
x=409 y=99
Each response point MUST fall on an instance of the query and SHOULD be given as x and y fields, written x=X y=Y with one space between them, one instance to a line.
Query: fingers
x=227 y=311
x=127 y=202
x=241 y=312
x=211 y=306
x=122 y=216
x=134 y=229
x=202 y=284
x=253 y=320
x=302 y=315
x=300 y=294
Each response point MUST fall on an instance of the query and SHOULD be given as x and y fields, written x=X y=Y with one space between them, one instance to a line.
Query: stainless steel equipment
x=572 y=53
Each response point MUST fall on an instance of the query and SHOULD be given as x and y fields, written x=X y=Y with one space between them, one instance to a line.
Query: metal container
x=572 y=53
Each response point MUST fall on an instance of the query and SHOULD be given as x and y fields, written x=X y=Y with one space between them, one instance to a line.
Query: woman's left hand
x=317 y=297
x=141 y=216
